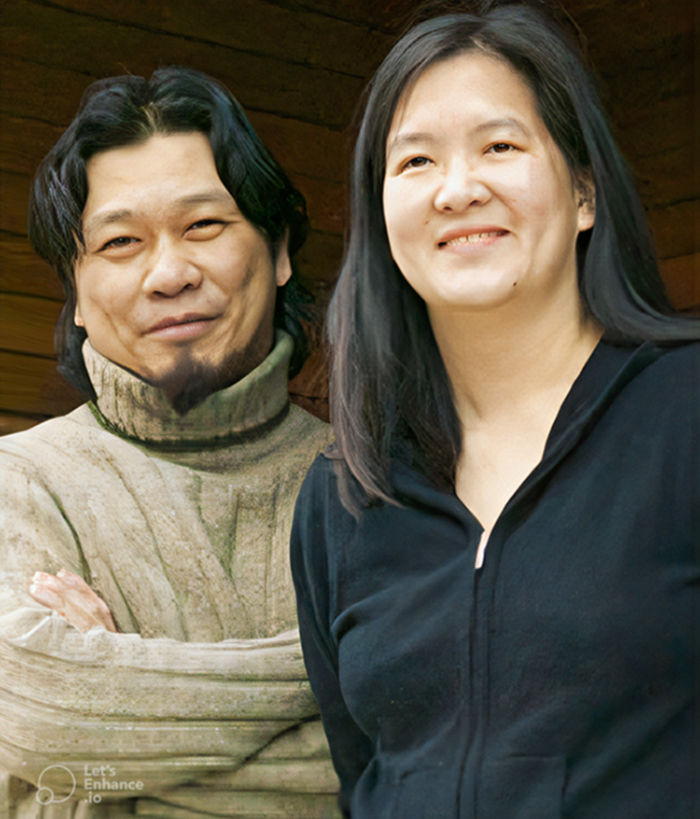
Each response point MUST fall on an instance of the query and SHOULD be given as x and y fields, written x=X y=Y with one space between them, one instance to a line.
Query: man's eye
x=204 y=223
x=120 y=241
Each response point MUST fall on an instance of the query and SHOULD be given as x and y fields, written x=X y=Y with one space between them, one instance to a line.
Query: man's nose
x=171 y=270
x=460 y=187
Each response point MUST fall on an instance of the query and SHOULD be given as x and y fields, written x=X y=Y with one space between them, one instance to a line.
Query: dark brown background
x=298 y=67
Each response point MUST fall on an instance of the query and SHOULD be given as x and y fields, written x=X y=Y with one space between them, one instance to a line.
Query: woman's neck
x=511 y=361
x=510 y=374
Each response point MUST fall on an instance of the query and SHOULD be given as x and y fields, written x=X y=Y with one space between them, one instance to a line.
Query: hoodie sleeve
x=320 y=526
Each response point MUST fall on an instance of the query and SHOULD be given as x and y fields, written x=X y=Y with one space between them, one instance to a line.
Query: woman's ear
x=585 y=188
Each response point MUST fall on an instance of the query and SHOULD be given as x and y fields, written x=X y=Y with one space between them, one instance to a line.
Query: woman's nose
x=171 y=271
x=461 y=187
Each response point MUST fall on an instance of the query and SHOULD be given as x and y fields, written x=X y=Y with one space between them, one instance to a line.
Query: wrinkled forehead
x=163 y=171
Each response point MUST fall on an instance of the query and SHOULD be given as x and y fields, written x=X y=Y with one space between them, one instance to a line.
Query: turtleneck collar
x=132 y=408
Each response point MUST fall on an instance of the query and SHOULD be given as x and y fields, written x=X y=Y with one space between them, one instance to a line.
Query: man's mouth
x=179 y=321
x=185 y=325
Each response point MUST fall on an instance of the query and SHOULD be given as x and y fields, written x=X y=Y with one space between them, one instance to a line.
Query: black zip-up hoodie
x=560 y=679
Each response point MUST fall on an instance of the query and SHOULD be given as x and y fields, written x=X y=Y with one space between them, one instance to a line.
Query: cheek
x=403 y=216
x=238 y=265
x=248 y=287
x=526 y=193
x=104 y=300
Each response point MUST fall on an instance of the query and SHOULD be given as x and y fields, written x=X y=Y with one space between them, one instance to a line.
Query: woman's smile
x=470 y=239
x=477 y=196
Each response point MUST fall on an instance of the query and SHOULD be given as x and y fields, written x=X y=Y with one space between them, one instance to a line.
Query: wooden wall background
x=298 y=67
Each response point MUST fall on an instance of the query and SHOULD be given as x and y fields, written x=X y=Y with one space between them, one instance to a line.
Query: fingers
x=86 y=603
x=73 y=581
x=41 y=590
x=70 y=596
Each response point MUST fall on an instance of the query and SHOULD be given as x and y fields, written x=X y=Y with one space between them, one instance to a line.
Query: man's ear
x=77 y=317
x=585 y=188
x=283 y=265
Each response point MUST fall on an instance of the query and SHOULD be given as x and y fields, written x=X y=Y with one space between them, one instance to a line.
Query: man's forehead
x=110 y=215
x=162 y=173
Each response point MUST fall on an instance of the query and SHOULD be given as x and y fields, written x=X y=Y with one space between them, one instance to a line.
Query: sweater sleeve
x=320 y=526
x=158 y=711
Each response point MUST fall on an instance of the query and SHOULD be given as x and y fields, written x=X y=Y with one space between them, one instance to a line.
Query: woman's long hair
x=389 y=386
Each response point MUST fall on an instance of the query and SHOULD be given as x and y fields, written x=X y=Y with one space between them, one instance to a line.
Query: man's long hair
x=127 y=110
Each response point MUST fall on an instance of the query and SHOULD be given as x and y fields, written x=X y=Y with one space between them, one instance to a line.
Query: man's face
x=174 y=284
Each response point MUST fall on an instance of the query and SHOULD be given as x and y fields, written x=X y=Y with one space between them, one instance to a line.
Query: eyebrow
x=505 y=122
x=205 y=197
x=409 y=139
x=425 y=137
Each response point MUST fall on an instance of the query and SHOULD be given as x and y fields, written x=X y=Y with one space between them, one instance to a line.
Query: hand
x=72 y=598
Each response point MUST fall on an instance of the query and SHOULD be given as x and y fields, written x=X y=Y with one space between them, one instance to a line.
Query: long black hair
x=128 y=110
x=389 y=386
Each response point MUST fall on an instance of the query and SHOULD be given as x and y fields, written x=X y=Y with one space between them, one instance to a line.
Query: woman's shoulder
x=682 y=356
x=676 y=370
x=320 y=504
x=322 y=475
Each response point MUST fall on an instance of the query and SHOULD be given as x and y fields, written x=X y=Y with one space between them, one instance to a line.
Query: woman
x=497 y=569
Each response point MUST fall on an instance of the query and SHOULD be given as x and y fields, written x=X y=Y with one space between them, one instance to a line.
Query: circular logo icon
x=45 y=795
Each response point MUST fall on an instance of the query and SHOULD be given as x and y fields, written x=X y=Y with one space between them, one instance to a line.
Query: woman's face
x=479 y=203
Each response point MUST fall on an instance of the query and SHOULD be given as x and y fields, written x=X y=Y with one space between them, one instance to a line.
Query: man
x=150 y=662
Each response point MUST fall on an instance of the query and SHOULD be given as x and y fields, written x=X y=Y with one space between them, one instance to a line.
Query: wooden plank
x=256 y=26
x=31 y=385
x=325 y=203
x=27 y=324
x=300 y=147
x=319 y=259
x=682 y=279
x=312 y=381
x=10 y=423
x=676 y=228
x=14 y=198
x=303 y=148
x=646 y=131
x=80 y=44
x=611 y=26
x=28 y=89
x=25 y=142
x=22 y=271
x=387 y=15
x=646 y=79
x=667 y=176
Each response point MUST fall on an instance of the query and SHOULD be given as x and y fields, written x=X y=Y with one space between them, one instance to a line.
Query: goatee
x=193 y=379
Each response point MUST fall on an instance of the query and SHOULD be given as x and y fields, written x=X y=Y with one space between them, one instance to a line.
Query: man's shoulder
x=302 y=432
x=54 y=433
x=309 y=423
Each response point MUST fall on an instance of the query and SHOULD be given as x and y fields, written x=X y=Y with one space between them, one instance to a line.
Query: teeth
x=473 y=238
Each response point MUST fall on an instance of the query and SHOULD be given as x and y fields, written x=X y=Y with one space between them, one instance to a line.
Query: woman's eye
x=416 y=162
x=502 y=147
